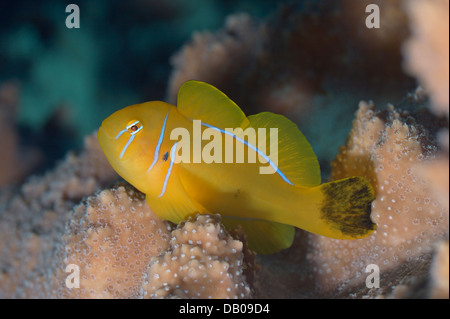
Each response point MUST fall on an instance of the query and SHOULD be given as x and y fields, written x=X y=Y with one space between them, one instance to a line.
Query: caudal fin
x=346 y=208
x=339 y=209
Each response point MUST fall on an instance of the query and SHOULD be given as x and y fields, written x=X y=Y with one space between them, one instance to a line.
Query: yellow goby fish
x=147 y=145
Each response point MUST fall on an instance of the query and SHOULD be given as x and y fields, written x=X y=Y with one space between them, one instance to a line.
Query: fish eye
x=134 y=127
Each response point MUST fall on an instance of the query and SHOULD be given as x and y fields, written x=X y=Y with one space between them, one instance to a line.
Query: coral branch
x=409 y=216
x=203 y=262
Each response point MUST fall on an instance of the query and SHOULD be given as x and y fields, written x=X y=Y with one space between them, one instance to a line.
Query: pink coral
x=427 y=50
x=403 y=161
x=409 y=218
x=440 y=272
x=302 y=64
x=203 y=262
x=115 y=242
x=111 y=239
x=296 y=64
x=238 y=42
x=427 y=57
x=32 y=219
x=385 y=147
x=122 y=251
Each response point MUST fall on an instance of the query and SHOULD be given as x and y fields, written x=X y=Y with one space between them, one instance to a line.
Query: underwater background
x=71 y=79
x=372 y=102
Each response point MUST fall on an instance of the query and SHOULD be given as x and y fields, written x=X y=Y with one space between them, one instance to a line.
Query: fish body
x=187 y=160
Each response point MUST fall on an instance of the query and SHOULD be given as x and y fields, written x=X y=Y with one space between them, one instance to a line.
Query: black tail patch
x=347 y=206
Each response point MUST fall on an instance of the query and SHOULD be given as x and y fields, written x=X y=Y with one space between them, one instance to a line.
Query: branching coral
x=440 y=271
x=115 y=242
x=386 y=147
x=124 y=251
x=32 y=220
x=427 y=57
x=303 y=64
x=293 y=56
x=314 y=66
x=408 y=215
x=111 y=239
x=427 y=50
x=238 y=42
x=203 y=262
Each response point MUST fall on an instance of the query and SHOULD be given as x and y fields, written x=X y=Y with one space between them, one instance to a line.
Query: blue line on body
x=253 y=148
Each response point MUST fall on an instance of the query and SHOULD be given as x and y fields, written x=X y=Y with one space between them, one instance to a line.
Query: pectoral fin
x=174 y=204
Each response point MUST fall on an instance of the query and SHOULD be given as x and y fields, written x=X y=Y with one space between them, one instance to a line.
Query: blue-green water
x=119 y=55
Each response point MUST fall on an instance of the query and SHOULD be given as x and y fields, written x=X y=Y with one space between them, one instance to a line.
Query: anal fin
x=264 y=237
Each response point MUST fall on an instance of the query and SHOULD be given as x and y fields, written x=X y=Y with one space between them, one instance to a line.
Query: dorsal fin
x=296 y=158
x=202 y=101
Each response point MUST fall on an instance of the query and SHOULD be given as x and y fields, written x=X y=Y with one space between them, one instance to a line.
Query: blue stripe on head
x=158 y=146
x=121 y=132
x=126 y=145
